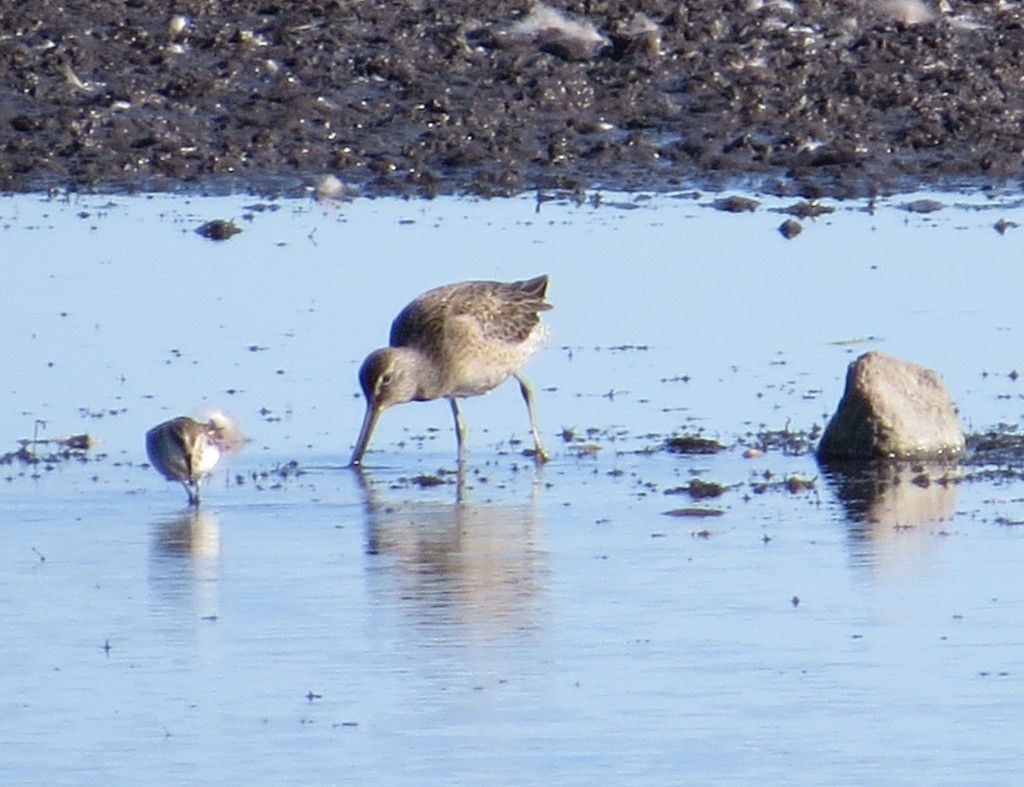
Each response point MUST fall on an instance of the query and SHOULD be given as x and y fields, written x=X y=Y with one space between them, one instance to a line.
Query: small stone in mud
x=425 y=481
x=807 y=210
x=218 y=229
x=553 y=32
x=1003 y=225
x=790 y=228
x=796 y=484
x=639 y=36
x=923 y=206
x=177 y=25
x=330 y=187
x=906 y=12
x=736 y=204
x=693 y=444
x=699 y=489
x=26 y=124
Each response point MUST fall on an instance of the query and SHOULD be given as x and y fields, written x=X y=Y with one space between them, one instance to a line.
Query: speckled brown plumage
x=501 y=312
x=459 y=340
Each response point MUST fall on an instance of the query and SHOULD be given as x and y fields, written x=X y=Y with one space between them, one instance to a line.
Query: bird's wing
x=494 y=311
x=501 y=312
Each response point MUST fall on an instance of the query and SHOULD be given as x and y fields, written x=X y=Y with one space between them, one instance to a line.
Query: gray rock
x=892 y=409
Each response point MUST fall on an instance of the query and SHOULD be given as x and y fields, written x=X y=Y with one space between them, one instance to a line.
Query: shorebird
x=458 y=340
x=186 y=450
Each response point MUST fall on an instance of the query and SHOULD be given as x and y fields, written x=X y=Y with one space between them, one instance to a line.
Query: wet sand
x=812 y=99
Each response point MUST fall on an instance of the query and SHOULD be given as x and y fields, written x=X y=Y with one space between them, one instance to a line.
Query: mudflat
x=799 y=98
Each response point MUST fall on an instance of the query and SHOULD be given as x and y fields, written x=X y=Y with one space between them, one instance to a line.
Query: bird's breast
x=205 y=456
x=473 y=375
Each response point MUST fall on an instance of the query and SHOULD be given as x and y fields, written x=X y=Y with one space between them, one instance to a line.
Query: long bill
x=369 y=422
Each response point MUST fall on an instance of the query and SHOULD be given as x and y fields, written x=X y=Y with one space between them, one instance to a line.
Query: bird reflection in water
x=895 y=509
x=185 y=557
x=474 y=566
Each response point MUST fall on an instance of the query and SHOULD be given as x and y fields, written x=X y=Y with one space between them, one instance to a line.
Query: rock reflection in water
x=894 y=509
x=185 y=558
x=473 y=566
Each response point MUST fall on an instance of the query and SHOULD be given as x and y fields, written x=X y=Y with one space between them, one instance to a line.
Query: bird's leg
x=460 y=483
x=192 y=489
x=524 y=387
x=460 y=428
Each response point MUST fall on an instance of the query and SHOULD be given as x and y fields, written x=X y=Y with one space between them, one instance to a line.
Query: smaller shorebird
x=458 y=340
x=186 y=450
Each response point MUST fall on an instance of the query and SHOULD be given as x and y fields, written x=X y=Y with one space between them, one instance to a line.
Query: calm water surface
x=516 y=625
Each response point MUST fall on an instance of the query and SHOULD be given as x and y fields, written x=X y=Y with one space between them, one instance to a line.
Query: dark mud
x=781 y=96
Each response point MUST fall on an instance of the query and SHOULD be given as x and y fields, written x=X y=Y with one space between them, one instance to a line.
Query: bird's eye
x=384 y=381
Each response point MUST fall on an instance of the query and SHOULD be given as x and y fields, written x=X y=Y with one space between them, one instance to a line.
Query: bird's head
x=387 y=377
x=222 y=431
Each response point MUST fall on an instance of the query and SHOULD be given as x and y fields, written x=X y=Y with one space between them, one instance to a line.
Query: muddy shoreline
x=810 y=99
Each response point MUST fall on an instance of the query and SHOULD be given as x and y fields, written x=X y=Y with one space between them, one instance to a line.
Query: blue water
x=554 y=626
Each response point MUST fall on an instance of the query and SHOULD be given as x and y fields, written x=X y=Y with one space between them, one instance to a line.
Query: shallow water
x=313 y=625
